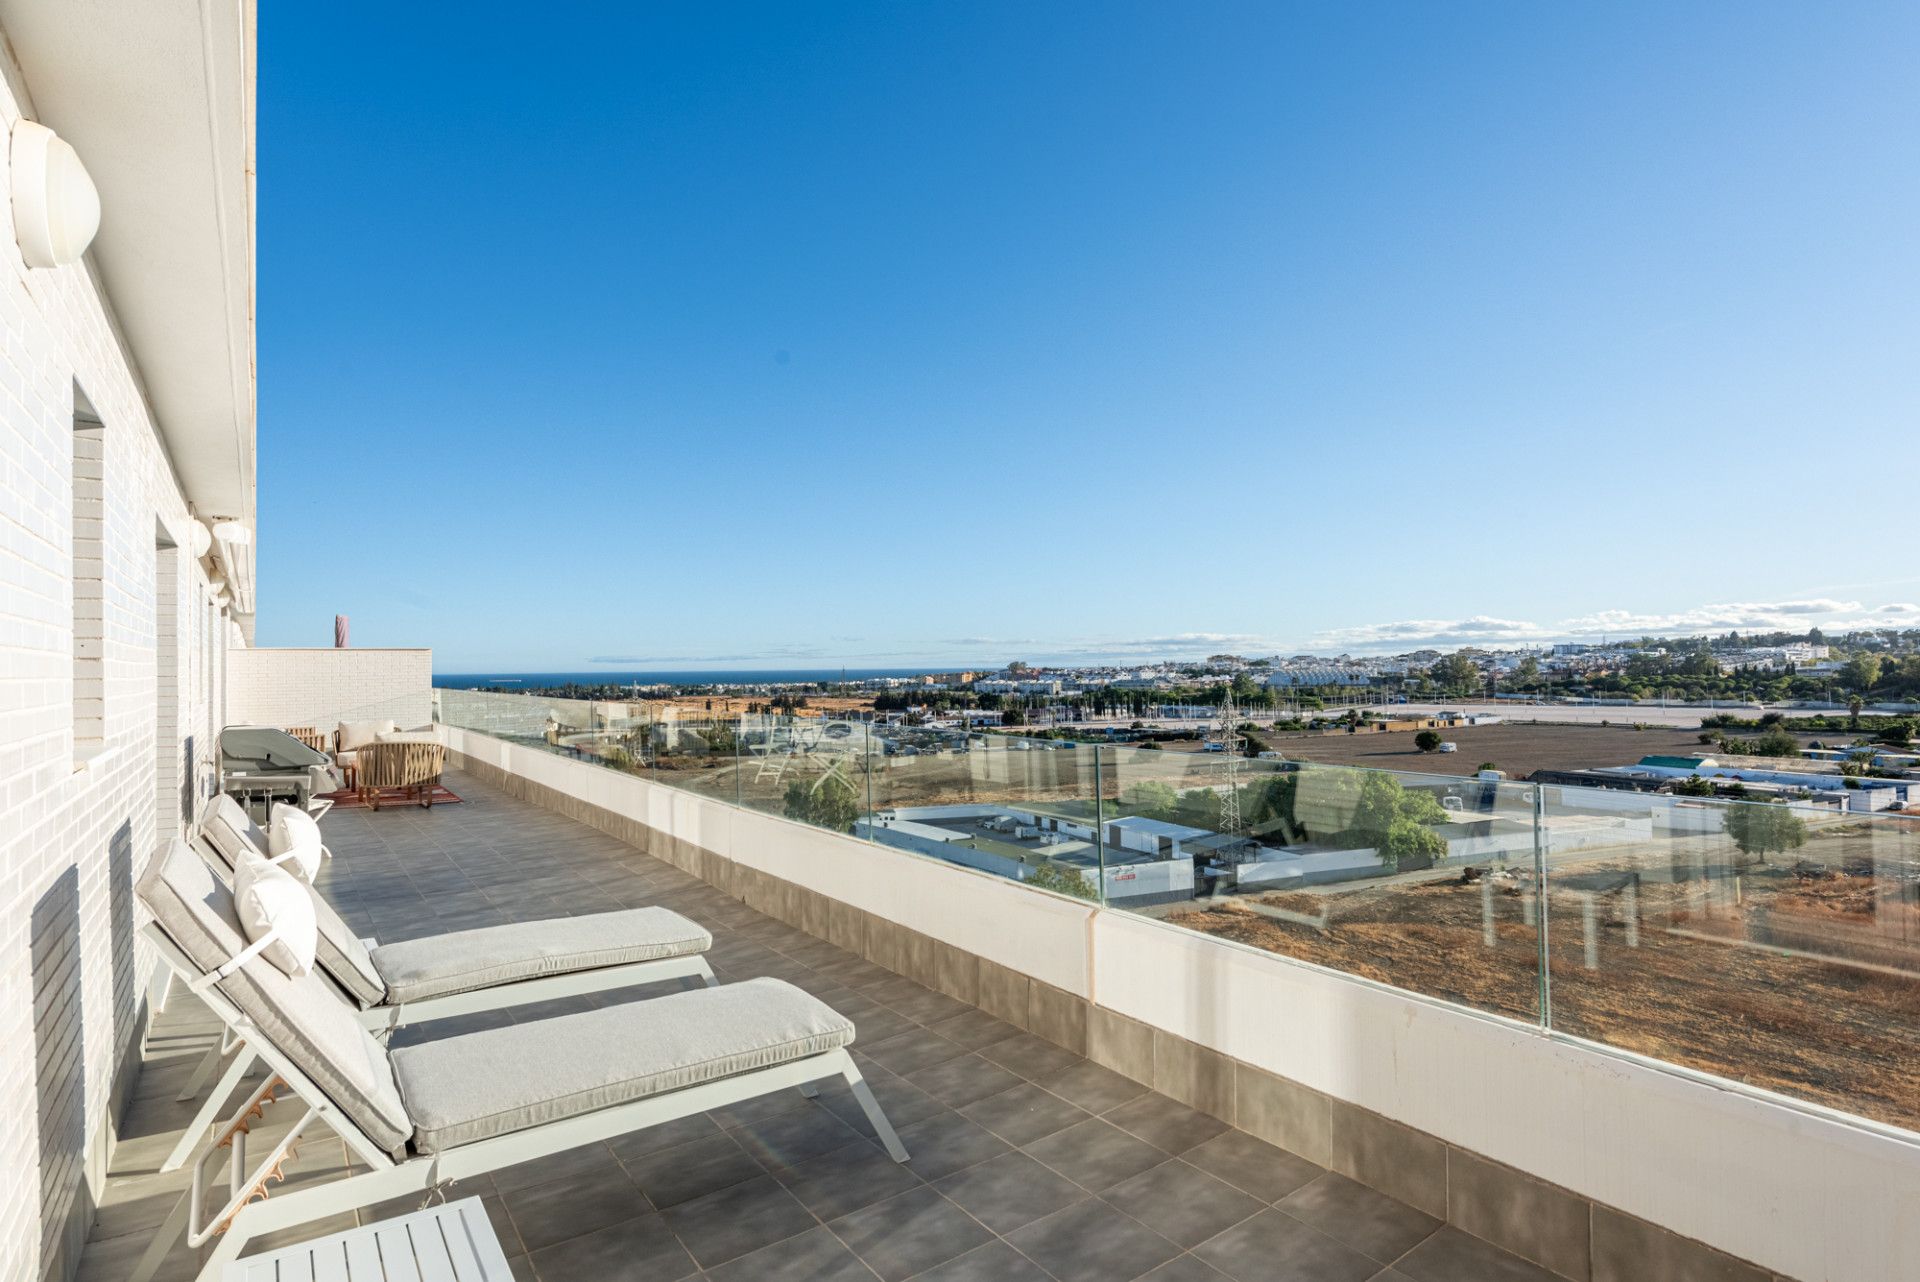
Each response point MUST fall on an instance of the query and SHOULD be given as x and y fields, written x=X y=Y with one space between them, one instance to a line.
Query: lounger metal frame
x=385 y=1018
x=248 y=1211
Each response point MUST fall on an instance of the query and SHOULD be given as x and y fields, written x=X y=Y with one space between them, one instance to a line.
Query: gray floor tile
x=975 y=1028
x=947 y=1143
x=1024 y=1114
x=561 y=1209
x=902 y=1102
x=1363 y=1218
x=909 y=1234
x=994 y=1262
x=910 y=1051
x=1452 y=1256
x=1253 y=1165
x=667 y=1135
x=731 y=1223
x=1165 y=1123
x=589 y=1160
x=1275 y=1247
x=960 y=1081
x=642 y=1249
x=1093 y=1242
x=1095 y=1154
x=1182 y=1203
x=1093 y=1087
x=847 y=1179
x=796 y=1136
x=1031 y=1057
x=1187 y=1268
x=813 y=1256
x=676 y=1175
x=1010 y=1191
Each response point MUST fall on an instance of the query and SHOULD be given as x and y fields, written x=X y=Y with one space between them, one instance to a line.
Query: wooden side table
x=452 y=1242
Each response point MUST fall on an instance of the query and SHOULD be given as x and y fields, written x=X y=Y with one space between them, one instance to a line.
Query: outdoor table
x=451 y=1242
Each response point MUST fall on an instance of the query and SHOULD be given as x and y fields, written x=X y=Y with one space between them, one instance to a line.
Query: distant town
x=1810 y=669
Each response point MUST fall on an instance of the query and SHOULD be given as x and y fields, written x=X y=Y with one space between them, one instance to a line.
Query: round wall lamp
x=199 y=538
x=56 y=209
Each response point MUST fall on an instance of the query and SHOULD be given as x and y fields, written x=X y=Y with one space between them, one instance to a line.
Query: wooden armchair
x=314 y=738
x=412 y=767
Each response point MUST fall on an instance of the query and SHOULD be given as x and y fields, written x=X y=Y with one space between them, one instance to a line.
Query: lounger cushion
x=302 y=1016
x=275 y=909
x=293 y=840
x=467 y=959
x=358 y=734
x=500 y=1080
x=228 y=830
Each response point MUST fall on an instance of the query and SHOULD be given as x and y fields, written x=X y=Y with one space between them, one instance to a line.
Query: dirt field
x=1517 y=749
x=696 y=706
x=1710 y=976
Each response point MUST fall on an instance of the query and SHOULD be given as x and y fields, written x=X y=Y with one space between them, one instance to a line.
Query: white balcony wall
x=323 y=687
x=80 y=814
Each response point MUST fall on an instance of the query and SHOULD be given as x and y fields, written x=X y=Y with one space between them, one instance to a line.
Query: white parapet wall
x=1814 y=1194
x=323 y=687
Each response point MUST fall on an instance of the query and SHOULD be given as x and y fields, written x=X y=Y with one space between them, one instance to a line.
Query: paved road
x=1680 y=716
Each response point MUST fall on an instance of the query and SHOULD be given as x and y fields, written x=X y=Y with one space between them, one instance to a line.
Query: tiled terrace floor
x=1028 y=1161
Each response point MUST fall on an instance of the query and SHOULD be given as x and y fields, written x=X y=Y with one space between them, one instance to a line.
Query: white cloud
x=1737 y=616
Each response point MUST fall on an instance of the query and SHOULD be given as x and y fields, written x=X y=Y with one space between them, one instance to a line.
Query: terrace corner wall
x=322 y=687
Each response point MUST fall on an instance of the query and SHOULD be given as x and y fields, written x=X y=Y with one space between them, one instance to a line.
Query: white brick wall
x=323 y=687
x=73 y=838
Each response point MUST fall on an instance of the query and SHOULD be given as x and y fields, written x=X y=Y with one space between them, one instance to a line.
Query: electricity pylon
x=1230 y=743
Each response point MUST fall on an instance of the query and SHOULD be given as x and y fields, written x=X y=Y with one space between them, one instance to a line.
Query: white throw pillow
x=292 y=829
x=267 y=898
x=358 y=734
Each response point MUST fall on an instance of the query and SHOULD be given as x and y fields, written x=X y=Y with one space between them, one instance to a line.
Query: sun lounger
x=424 y=1116
x=459 y=973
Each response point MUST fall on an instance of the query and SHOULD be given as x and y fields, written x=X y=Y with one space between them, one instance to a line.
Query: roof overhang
x=157 y=97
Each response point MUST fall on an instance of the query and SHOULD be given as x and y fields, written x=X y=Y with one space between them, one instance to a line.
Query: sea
x=692 y=677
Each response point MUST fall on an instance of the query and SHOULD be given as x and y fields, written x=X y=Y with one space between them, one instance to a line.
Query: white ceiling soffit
x=157 y=96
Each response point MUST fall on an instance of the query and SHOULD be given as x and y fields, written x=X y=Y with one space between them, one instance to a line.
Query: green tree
x=1150 y=797
x=1763 y=828
x=1898 y=733
x=1427 y=741
x=1458 y=673
x=1862 y=672
x=830 y=802
x=1527 y=675
x=1693 y=786
x=1854 y=705
x=1407 y=839
x=1198 y=808
x=1066 y=881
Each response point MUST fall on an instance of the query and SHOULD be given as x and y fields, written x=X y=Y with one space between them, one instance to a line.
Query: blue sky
x=889 y=334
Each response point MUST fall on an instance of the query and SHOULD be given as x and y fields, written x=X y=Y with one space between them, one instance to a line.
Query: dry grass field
x=1804 y=983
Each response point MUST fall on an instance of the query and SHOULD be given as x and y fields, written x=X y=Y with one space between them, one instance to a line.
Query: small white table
x=452 y=1242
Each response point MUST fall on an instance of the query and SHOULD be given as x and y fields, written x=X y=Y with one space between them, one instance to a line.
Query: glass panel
x=809 y=769
x=1422 y=882
x=610 y=733
x=695 y=750
x=1021 y=807
x=1772 y=943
